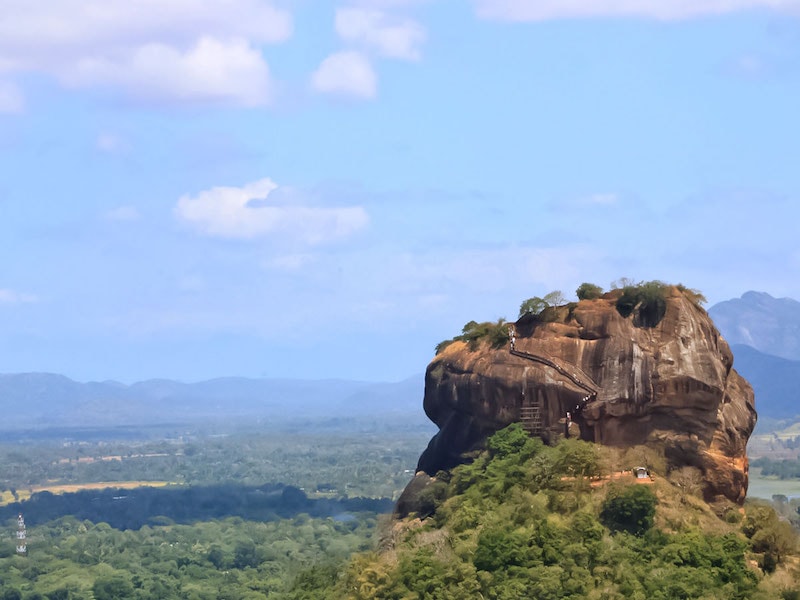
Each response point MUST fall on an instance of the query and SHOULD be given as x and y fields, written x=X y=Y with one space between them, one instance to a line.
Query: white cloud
x=255 y=210
x=346 y=73
x=210 y=71
x=389 y=35
x=12 y=297
x=542 y=10
x=383 y=4
x=178 y=50
x=11 y=98
x=123 y=213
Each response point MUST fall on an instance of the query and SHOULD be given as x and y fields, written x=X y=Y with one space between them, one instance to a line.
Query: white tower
x=22 y=536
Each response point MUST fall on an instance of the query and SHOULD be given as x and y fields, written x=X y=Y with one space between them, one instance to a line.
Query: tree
x=769 y=536
x=246 y=555
x=588 y=291
x=775 y=542
x=314 y=582
x=431 y=497
x=577 y=458
x=113 y=587
x=507 y=441
x=554 y=298
x=217 y=557
x=630 y=509
x=500 y=548
x=622 y=282
x=532 y=306
x=688 y=480
x=535 y=306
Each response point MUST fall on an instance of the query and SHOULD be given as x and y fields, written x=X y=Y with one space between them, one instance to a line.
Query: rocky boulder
x=662 y=379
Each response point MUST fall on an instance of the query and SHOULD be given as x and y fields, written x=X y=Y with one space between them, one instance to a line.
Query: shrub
x=733 y=516
x=695 y=296
x=431 y=497
x=473 y=333
x=588 y=291
x=442 y=345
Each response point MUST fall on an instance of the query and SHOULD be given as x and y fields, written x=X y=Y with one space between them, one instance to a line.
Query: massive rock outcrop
x=666 y=382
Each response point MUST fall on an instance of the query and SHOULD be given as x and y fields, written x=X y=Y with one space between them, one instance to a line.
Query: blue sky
x=318 y=189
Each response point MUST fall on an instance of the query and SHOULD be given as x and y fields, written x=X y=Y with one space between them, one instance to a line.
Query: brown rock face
x=669 y=386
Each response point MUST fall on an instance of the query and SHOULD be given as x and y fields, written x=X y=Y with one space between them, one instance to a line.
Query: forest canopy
x=525 y=520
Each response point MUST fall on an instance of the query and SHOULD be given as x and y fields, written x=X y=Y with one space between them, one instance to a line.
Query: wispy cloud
x=164 y=52
x=389 y=35
x=348 y=74
x=258 y=209
x=12 y=297
x=543 y=10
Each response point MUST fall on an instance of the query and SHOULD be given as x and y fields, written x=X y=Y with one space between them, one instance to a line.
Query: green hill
x=525 y=520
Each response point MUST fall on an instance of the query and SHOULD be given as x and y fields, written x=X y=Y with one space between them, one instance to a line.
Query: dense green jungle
x=238 y=512
x=529 y=521
x=300 y=511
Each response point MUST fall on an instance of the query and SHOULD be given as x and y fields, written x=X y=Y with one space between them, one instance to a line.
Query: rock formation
x=665 y=382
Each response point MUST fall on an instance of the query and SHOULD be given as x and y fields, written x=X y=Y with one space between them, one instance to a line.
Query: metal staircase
x=579 y=380
x=530 y=414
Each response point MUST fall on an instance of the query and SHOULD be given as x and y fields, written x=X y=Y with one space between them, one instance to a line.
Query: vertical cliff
x=661 y=377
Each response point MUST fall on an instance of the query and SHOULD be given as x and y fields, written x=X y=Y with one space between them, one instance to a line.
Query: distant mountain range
x=770 y=325
x=764 y=333
x=36 y=400
x=775 y=380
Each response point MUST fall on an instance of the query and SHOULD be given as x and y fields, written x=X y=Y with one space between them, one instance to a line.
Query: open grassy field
x=6 y=497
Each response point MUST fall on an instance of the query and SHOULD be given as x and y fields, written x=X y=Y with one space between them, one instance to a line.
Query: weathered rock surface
x=669 y=386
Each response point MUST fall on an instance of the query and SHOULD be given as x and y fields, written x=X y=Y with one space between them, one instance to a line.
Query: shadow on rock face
x=667 y=382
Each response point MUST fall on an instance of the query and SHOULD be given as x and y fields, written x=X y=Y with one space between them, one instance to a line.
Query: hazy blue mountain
x=775 y=380
x=770 y=325
x=49 y=400
x=764 y=333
